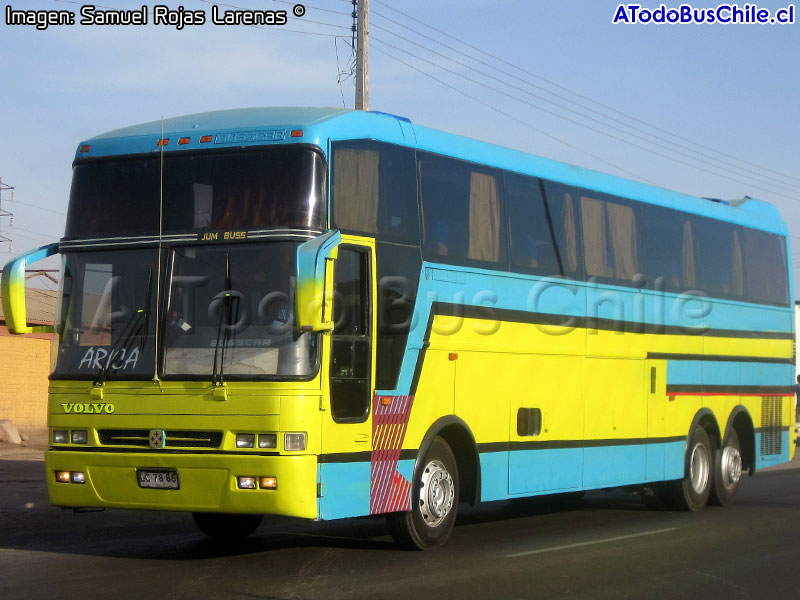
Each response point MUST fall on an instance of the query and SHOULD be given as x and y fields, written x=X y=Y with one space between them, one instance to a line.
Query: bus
x=326 y=313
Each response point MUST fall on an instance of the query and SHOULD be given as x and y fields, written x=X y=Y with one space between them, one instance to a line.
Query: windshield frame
x=69 y=301
x=165 y=305
x=187 y=233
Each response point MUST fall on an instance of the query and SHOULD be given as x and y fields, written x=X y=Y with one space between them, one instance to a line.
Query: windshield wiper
x=226 y=311
x=136 y=324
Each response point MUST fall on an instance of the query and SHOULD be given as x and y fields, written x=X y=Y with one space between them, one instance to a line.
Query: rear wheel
x=226 y=527
x=691 y=492
x=727 y=471
x=434 y=502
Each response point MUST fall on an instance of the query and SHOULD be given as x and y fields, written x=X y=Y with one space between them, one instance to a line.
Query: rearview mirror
x=314 y=291
x=12 y=288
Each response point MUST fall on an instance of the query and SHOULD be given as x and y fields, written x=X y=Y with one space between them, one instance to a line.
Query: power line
x=566 y=89
x=37 y=206
x=612 y=136
x=705 y=158
x=510 y=116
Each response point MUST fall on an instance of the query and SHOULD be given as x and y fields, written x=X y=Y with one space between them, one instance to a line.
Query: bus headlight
x=267 y=440
x=294 y=441
x=79 y=436
x=245 y=440
x=246 y=483
x=60 y=436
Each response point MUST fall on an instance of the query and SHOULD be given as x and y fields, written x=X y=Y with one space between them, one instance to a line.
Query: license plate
x=163 y=479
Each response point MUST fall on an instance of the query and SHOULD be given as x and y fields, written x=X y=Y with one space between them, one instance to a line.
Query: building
x=25 y=365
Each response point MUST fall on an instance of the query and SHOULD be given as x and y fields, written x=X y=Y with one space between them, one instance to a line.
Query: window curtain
x=622 y=227
x=355 y=194
x=484 y=218
x=689 y=277
x=593 y=218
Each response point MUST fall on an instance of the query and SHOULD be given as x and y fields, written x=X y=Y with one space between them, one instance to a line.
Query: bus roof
x=319 y=126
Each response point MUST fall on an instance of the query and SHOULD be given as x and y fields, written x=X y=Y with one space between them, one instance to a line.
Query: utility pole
x=5 y=213
x=362 y=58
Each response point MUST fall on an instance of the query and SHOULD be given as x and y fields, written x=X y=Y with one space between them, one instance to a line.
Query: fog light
x=79 y=436
x=78 y=477
x=60 y=436
x=268 y=483
x=268 y=440
x=246 y=483
x=294 y=441
x=63 y=476
x=245 y=440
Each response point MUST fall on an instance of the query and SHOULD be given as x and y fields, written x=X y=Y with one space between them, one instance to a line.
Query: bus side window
x=612 y=243
x=532 y=247
x=765 y=267
x=463 y=217
x=351 y=348
x=375 y=191
x=560 y=203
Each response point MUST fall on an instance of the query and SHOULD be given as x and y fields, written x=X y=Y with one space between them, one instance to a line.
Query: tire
x=226 y=527
x=727 y=471
x=434 y=502
x=691 y=493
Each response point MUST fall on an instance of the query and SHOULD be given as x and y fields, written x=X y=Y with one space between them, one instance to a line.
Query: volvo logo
x=157 y=438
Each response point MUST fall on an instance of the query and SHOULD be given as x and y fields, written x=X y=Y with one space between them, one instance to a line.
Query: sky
x=705 y=109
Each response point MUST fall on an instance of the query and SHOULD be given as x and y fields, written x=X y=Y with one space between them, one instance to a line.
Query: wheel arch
x=459 y=437
x=741 y=421
x=705 y=418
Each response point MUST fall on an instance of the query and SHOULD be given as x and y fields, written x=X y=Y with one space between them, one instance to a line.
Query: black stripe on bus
x=569 y=444
x=448 y=309
x=763 y=390
x=720 y=358
x=151 y=451
x=363 y=456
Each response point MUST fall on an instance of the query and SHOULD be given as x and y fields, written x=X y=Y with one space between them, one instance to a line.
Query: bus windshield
x=227 y=312
x=107 y=308
x=230 y=314
x=242 y=189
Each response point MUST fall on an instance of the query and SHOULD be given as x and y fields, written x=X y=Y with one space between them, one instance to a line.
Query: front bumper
x=207 y=482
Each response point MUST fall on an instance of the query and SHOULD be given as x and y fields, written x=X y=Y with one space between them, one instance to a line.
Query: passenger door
x=349 y=368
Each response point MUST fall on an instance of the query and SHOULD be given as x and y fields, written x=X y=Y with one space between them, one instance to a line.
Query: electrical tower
x=5 y=213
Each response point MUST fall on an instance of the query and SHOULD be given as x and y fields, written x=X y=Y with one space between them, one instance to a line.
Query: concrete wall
x=25 y=365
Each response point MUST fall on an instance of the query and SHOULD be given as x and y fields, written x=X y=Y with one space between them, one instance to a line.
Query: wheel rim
x=731 y=467
x=699 y=468
x=437 y=493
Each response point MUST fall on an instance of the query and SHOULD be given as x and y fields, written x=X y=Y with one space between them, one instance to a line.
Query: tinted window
x=766 y=278
x=561 y=206
x=533 y=248
x=462 y=212
x=351 y=351
x=611 y=237
x=670 y=250
x=398 y=278
x=247 y=189
x=375 y=190
x=720 y=257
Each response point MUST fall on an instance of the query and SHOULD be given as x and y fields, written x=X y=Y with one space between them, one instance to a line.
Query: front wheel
x=727 y=471
x=691 y=492
x=434 y=502
x=226 y=527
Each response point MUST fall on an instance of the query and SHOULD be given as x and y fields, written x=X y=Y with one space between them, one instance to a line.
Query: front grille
x=771 y=438
x=174 y=438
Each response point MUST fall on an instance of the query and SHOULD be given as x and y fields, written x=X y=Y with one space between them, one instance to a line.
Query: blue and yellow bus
x=327 y=313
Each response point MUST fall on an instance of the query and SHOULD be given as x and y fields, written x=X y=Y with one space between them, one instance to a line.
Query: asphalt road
x=607 y=545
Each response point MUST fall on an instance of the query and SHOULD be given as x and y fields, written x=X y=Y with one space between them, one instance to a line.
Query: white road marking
x=591 y=543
